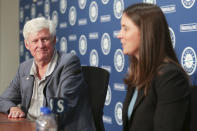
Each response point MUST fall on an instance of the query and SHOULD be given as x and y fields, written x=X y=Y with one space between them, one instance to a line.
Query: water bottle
x=46 y=121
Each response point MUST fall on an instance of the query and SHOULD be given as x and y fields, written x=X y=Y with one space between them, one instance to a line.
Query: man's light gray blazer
x=65 y=81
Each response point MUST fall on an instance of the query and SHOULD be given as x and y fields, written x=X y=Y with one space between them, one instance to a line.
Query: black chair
x=97 y=80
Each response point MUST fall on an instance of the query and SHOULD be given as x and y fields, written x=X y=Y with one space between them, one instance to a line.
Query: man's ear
x=26 y=44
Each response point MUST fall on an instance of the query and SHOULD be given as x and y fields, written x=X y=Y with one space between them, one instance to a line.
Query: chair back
x=97 y=80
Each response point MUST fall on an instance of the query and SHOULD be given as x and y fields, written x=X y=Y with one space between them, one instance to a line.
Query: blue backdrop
x=89 y=29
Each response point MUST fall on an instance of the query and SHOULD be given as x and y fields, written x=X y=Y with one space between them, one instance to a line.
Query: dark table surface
x=15 y=124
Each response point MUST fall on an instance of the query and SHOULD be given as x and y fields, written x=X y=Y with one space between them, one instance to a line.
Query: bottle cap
x=45 y=110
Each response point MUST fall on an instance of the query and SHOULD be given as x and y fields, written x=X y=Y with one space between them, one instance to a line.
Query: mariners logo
x=93 y=11
x=63 y=6
x=55 y=18
x=63 y=44
x=27 y=56
x=72 y=15
x=21 y=48
x=188 y=3
x=118 y=113
x=118 y=8
x=82 y=44
x=106 y=43
x=108 y=96
x=46 y=8
x=82 y=4
x=40 y=15
x=119 y=60
x=150 y=1
x=73 y=52
x=26 y=19
x=33 y=11
x=94 y=60
x=21 y=14
x=105 y=1
x=173 y=38
x=188 y=60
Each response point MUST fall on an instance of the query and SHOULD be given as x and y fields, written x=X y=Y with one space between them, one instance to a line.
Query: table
x=15 y=124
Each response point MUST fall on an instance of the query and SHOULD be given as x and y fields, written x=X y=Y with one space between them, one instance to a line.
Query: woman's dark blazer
x=164 y=108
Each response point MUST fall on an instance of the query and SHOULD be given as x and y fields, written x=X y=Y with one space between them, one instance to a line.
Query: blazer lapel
x=126 y=104
x=47 y=89
x=28 y=82
x=140 y=97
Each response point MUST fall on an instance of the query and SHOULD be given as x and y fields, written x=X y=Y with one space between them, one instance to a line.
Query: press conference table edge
x=15 y=124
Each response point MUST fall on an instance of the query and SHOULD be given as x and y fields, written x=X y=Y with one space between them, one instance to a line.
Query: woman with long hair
x=158 y=88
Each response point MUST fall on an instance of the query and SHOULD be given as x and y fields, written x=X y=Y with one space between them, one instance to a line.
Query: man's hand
x=16 y=112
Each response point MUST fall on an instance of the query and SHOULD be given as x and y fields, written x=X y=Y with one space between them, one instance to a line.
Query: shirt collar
x=50 y=67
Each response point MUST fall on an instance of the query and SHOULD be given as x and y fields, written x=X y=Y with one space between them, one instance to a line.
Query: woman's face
x=129 y=36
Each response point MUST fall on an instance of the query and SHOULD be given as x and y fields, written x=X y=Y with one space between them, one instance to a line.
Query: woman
x=158 y=89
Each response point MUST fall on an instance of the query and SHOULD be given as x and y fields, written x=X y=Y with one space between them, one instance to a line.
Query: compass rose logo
x=188 y=60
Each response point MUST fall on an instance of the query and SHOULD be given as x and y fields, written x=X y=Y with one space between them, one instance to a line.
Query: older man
x=49 y=74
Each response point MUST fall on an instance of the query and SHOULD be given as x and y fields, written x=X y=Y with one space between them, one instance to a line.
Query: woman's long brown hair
x=155 y=45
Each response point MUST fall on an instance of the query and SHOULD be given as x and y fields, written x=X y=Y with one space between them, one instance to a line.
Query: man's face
x=41 y=45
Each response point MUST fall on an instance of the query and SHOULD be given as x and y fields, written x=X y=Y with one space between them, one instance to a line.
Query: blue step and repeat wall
x=89 y=29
